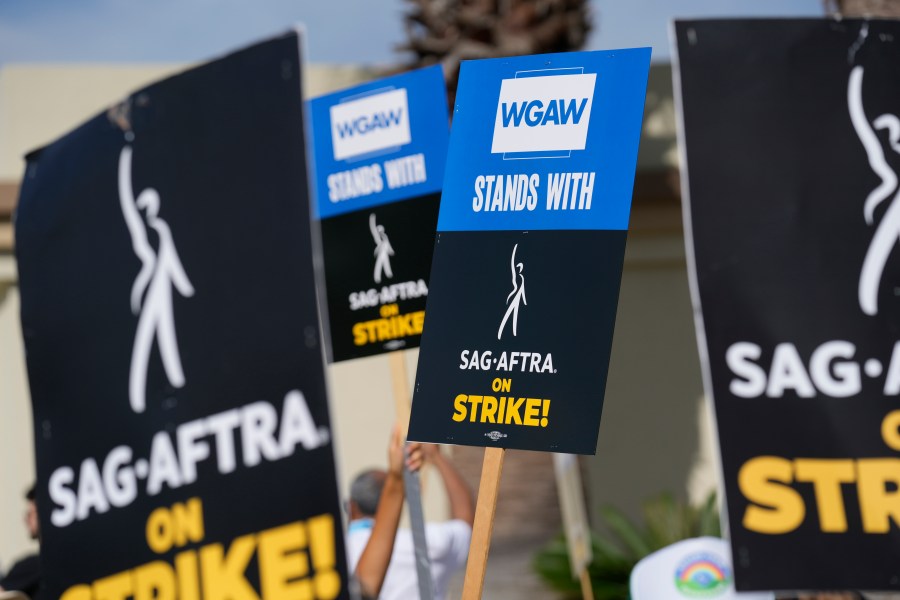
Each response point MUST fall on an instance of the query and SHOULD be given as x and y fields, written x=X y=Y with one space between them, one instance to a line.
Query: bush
x=665 y=521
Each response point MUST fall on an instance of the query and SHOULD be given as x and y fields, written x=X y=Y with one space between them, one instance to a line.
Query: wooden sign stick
x=484 y=523
x=587 y=590
x=411 y=481
x=400 y=384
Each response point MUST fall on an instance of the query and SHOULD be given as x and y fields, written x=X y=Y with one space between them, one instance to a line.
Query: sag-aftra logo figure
x=151 y=294
x=383 y=251
x=516 y=296
x=887 y=232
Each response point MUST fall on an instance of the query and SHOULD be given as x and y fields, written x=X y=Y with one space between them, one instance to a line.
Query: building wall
x=655 y=434
x=17 y=463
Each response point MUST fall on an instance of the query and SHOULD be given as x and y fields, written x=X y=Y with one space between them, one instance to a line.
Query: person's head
x=31 y=516
x=365 y=491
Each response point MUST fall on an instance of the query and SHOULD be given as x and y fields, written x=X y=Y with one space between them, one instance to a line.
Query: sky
x=339 y=31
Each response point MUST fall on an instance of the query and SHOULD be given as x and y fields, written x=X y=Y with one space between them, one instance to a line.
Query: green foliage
x=665 y=521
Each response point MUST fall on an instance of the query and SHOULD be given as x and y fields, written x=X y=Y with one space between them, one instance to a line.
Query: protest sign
x=790 y=134
x=380 y=150
x=168 y=307
x=528 y=256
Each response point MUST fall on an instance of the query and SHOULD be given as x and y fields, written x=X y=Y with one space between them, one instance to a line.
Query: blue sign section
x=546 y=142
x=380 y=142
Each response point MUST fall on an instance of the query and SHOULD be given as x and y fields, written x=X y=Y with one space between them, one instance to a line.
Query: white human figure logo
x=160 y=271
x=517 y=294
x=887 y=234
x=383 y=250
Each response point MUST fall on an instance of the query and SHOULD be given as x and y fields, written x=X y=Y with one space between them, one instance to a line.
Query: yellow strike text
x=295 y=561
x=508 y=410
x=388 y=328
x=777 y=508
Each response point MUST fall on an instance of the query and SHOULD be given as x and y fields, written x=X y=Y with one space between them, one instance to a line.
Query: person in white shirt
x=375 y=500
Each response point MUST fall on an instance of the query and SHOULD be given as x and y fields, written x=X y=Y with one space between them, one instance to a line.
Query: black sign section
x=791 y=131
x=373 y=310
x=516 y=366
x=169 y=312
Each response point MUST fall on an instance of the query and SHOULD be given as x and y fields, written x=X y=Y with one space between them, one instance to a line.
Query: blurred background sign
x=183 y=423
x=791 y=143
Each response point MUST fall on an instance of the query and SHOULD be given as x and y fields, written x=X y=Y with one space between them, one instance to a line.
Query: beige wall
x=362 y=406
x=655 y=434
x=17 y=462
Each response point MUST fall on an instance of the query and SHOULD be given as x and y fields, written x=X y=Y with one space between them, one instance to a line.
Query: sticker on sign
x=370 y=124
x=549 y=113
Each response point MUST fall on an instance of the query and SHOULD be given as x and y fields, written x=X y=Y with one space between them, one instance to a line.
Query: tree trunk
x=446 y=32
x=868 y=8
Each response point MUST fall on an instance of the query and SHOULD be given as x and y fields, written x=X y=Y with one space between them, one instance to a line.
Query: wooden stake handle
x=400 y=383
x=412 y=481
x=587 y=590
x=488 y=489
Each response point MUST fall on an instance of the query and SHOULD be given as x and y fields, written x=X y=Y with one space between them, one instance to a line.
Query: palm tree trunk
x=446 y=32
x=866 y=8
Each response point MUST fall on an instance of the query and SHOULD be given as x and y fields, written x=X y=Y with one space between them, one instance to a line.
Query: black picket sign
x=175 y=360
x=791 y=134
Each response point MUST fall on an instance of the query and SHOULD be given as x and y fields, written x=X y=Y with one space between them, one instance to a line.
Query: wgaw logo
x=151 y=294
x=370 y=124
x=887 y=233
x=516 y=296
x=543 y=114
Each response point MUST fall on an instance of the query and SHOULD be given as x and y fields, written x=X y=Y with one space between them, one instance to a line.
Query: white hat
x=695 y=568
